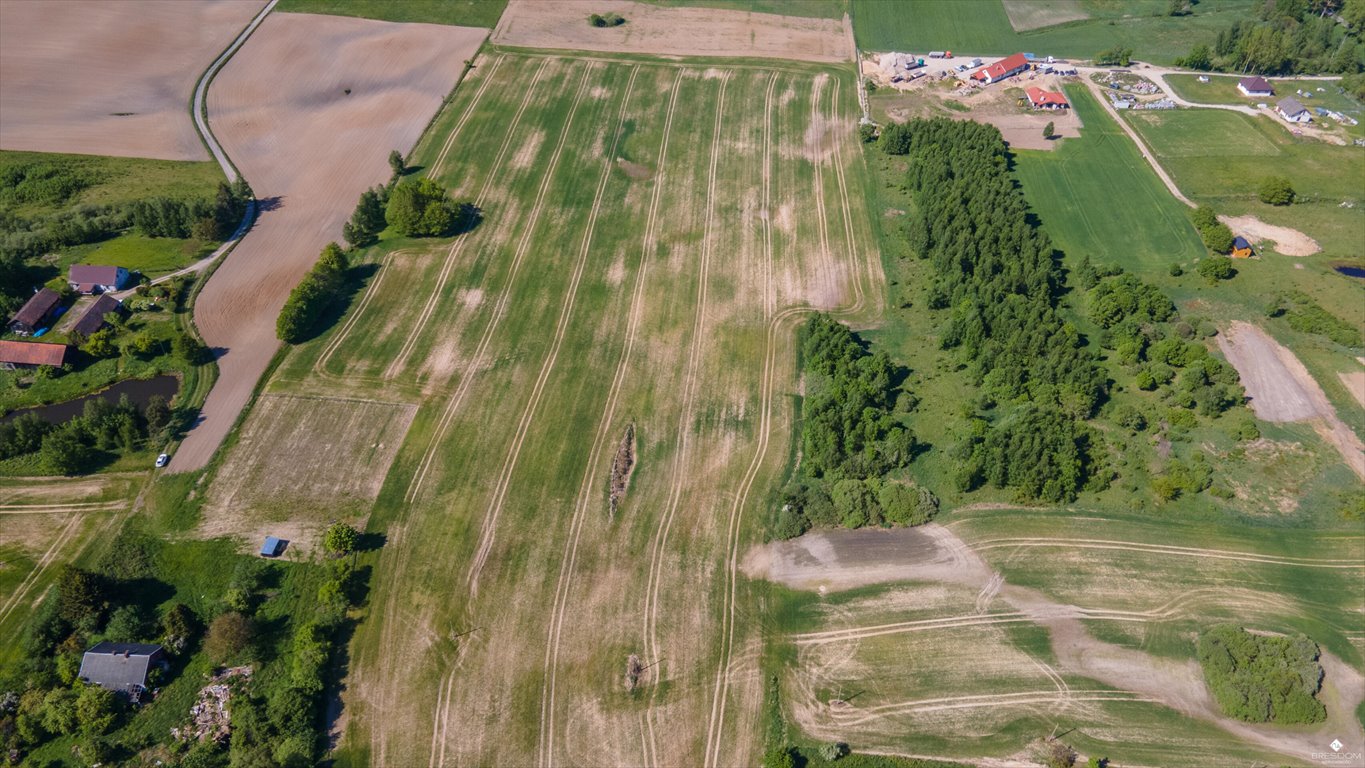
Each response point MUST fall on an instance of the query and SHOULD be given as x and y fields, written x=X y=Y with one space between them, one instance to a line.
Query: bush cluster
x=1307 y=316
x=104 y=430
x=606 y=20
x=367 y=221
x=1215 y=234
x=421 y=208
x=318 y=290
x=1262 y=679
x=1275 y=190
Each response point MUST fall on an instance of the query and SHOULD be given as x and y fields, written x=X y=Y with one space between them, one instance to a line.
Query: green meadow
x=464 y=13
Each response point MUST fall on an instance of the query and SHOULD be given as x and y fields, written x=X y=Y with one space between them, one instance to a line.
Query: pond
x=138 y=390
x=1350 y=271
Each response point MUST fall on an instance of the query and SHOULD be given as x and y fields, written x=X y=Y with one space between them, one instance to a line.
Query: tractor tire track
x=440 y=160
x=859 y=716
x=320 y=367
x=545 y=745
x=35 y=575
x=1164 y=549
x=456 y=247
x=651 y=608
x=552 y=356
x=443 y=715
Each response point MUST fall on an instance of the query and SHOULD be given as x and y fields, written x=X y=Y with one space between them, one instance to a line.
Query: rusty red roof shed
x=32 y=353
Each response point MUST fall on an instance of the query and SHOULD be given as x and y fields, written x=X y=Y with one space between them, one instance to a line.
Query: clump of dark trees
x=1260 y=678
x=1289 y=36
x=606 y=20
x=100 y=434
x=997 y=280
x=127 y=597
x=53 y=183
x=324 y=284
x=852 y=435
x=1307 y=316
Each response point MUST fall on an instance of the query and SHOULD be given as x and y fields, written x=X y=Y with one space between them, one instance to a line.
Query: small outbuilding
x=41 y=308
x=93 y=319
x=1255 y=87
x=30 y=354
x=272 y=547
x=90 y=278
x=121 y=667
x=1241 y=248
x=1290 y=109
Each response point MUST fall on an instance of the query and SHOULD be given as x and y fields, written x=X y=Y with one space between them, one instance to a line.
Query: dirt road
x=308 y=109
x=675 y=31
x=1166 y=179
x=109 y=77
x=1281 y=389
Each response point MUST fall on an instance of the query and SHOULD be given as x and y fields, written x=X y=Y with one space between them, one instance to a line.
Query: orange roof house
x=1041 y=99
x=1006 y=67
x=30 y=353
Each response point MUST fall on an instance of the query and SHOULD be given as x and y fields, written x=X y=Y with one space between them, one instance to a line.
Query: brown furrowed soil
x=1281 y=389
x=676 y=31
x=109 y=77
x=308 y=148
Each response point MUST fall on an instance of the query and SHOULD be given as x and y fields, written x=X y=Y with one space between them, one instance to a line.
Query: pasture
x=1048 y=620
x=652 y=233
x=984 y=27
x=464 y=13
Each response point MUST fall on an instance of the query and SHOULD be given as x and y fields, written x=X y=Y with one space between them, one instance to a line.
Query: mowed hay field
x=1040 y=621
x=282 y=110
x=109 y=77
x=652 y=234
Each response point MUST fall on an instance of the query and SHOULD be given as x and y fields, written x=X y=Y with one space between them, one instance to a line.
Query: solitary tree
x=228 y=635
x=397 y=164
x=1276 y=190
x=1049 y=131
x=340 y=538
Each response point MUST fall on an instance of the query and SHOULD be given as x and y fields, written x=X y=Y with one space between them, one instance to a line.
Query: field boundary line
x=551 y=358
x=545 y=745
x=335 y=399
x=685 y=419
x=721 y=685
x=826 y=267
x=396 y=366
x=495 y=320
x=1165 y=549
x=464 y=118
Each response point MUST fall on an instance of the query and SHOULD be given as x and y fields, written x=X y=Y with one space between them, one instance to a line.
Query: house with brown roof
x=93 y=319
x=1006 y=67
x=91 y=278
x=30 y=354
x=36 y=312
x=1255 y=86
x=1041 y=99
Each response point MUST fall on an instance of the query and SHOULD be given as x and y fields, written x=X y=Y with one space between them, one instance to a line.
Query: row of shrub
x=1307 y=316
x=318 y=291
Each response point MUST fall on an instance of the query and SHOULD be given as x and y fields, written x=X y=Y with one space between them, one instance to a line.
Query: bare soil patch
x=997 y=105
x=1036 y=14
x=1289 y=242
x=1281 y=389
x=634 y=171
x=676 y=31
x=109 y=77
x=308 y=148
x=1354 y=381
x=306 y=458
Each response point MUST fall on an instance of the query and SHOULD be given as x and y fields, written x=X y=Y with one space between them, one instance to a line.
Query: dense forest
x=997 y=279
x=1261 y=678
x=1289 y=37
x=852 y=436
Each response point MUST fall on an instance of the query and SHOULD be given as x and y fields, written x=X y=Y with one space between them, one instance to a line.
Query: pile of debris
x=621 y=466
x=210 y=717
x=633 y=670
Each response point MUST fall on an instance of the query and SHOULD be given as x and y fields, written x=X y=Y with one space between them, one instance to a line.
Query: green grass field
x=1222 y=89
x=464 y=13
x=983 y=27
x=816 y=9
x=652 y=232
x=115 y=180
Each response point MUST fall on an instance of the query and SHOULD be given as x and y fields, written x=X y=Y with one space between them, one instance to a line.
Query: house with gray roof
x=121 y=667
x=1291 y=110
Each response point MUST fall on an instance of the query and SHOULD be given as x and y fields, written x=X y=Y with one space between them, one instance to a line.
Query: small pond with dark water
x=1350 y=271
x=138 y=390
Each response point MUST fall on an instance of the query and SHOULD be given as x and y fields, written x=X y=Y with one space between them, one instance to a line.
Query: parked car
x=163 y=460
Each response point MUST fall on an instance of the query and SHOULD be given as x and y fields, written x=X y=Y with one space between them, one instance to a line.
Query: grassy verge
x=465 y=13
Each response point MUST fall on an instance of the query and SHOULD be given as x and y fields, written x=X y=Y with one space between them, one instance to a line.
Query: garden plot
x=109 y=77
x=304 y=458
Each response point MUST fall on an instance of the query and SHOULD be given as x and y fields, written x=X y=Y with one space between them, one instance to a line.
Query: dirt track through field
x=545 y=748
x=673 y=31
x=109 y=77
x=1281 y=389
x=308 y=148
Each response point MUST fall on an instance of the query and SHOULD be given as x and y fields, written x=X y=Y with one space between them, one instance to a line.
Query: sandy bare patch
x=109 y=77
x=839 y=560
x=677 y=31
x=1354 y=381
x=635 y=171
x=1036 y=14
x=1281 y=389
x=308 y=148
x=306 y=458
x=1289 y=242
x=528 y=150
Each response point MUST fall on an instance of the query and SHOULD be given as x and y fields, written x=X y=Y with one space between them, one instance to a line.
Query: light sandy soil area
x=1289 y=242
x=673 y=31
x=308 y=148
x=832 y=559
x=109 y=77
x=1281 y=389
x=1354 y=381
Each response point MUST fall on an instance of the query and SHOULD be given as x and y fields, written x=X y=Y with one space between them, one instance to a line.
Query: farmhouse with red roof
x=1041 y=99
x=1006 y=67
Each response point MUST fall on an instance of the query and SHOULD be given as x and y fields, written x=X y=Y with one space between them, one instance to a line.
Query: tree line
x=1288 y=37
x=318 y=290
x=852 y=435
x=103 y=431
x=996 y=280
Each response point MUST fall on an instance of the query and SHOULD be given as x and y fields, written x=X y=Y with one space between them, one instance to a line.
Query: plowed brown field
x=109 y=77
x=676 y=31
x=308 y=148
